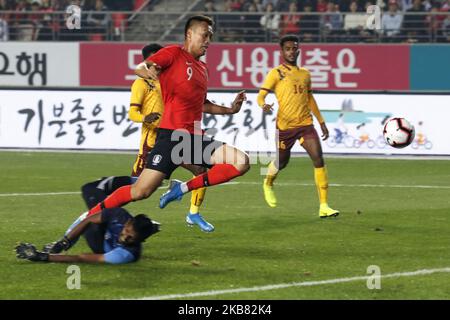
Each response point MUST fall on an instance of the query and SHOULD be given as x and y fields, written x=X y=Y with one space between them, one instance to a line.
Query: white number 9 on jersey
x=189 y=72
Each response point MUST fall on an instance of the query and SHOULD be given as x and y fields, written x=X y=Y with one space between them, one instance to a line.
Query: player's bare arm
x=69 y=239
x=236 y=105
x=148 y=70
x=86 y=258
x=29 y=252
x=267 y=107
x=78 y=230
x=325 y=133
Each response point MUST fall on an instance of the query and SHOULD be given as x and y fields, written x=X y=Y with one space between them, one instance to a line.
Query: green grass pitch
x=394 y=214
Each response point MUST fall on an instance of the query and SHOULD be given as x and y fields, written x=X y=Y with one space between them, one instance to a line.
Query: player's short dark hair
x=196 y=19
x=286 y=38
x=144 y=227
x=150 y=49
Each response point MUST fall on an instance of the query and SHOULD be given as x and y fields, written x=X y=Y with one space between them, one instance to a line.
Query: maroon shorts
x=287 y=138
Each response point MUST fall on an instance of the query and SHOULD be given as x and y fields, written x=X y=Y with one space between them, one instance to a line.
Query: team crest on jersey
x=156 y=159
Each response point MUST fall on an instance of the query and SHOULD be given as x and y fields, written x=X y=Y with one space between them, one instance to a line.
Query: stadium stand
x=236 y=20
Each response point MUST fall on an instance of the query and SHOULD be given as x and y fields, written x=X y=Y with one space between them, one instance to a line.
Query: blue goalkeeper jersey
x=116 y=253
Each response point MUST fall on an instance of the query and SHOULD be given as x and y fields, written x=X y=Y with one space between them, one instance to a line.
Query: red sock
x=218 y=174
x=116 y=199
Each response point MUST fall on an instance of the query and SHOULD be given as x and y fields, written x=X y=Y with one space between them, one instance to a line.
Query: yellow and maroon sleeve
x=138 y=90
x=268 y=86
x=312 y=103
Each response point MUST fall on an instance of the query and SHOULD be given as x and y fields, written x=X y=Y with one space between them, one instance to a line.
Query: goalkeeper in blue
x=113 y=235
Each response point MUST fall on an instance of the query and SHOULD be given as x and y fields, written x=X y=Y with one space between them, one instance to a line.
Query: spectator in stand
x=252 y=28
x=244 y=4
x=4 y=30
x=332 y=23
x=59 y=5
x=446 y=29
x=48 y=22
x=434 y=23
x=427 y=5
x=321 y=6
x=445 y=7
x=236 y=5
x=22 y=27
x=270 y=21
x=282 y=5
x=391 y=23
x=273 y=2
x=209 y=6
x=228 y=24
x=35 y=18
x=290 y=21
x=98 y=21
x=309 y=24
x=5 y=5
x=210 y=9
x=413 y=24
x=406 y=4
x=355 y=23
x=344 y=5
x=258 y=5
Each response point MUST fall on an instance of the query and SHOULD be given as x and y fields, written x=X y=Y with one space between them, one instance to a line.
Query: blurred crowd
x=35 y=19
x=337 y=21
x=61 y=5
x=245 y=20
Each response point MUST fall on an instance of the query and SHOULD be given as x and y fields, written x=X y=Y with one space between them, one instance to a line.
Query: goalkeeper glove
x=28 y=251
x=58 y=246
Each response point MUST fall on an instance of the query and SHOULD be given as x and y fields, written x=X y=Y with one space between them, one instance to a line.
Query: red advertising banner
x=236 y=66
x=109 y=64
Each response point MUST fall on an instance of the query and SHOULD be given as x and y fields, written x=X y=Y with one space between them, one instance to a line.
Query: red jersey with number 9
x=184 y=83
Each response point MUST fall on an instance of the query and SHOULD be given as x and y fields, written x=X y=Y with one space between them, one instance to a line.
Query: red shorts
x=287 y=138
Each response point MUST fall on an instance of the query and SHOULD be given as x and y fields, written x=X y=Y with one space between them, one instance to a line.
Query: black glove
x=58 y=246
x=28 y=251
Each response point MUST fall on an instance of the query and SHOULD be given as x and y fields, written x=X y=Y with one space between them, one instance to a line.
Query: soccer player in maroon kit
x=183 y=78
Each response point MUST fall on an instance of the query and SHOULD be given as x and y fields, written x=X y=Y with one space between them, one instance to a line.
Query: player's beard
x=203 y=50
x=292 y=61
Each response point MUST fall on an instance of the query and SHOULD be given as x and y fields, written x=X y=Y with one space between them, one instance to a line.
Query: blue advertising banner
x=430 y=67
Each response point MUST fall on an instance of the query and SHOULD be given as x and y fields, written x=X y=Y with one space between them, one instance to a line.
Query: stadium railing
x=146 y=26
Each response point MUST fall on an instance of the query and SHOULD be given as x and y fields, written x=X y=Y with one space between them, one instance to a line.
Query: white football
x=398 y=132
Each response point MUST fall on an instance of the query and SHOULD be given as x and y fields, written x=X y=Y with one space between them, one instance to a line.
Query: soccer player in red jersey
x=183 y=78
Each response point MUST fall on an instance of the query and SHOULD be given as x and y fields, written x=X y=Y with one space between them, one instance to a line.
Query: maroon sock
x=218 y=174
x=116 y=199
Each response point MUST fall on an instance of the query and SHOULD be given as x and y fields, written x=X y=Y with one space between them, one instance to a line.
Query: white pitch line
x=290 y=184
x=280 y=184
x=293 y=284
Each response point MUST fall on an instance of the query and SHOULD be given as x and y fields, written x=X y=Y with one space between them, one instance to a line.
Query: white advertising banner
x=39 y=64
x=66 y=120
x=355 y=123
x=99 y=120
